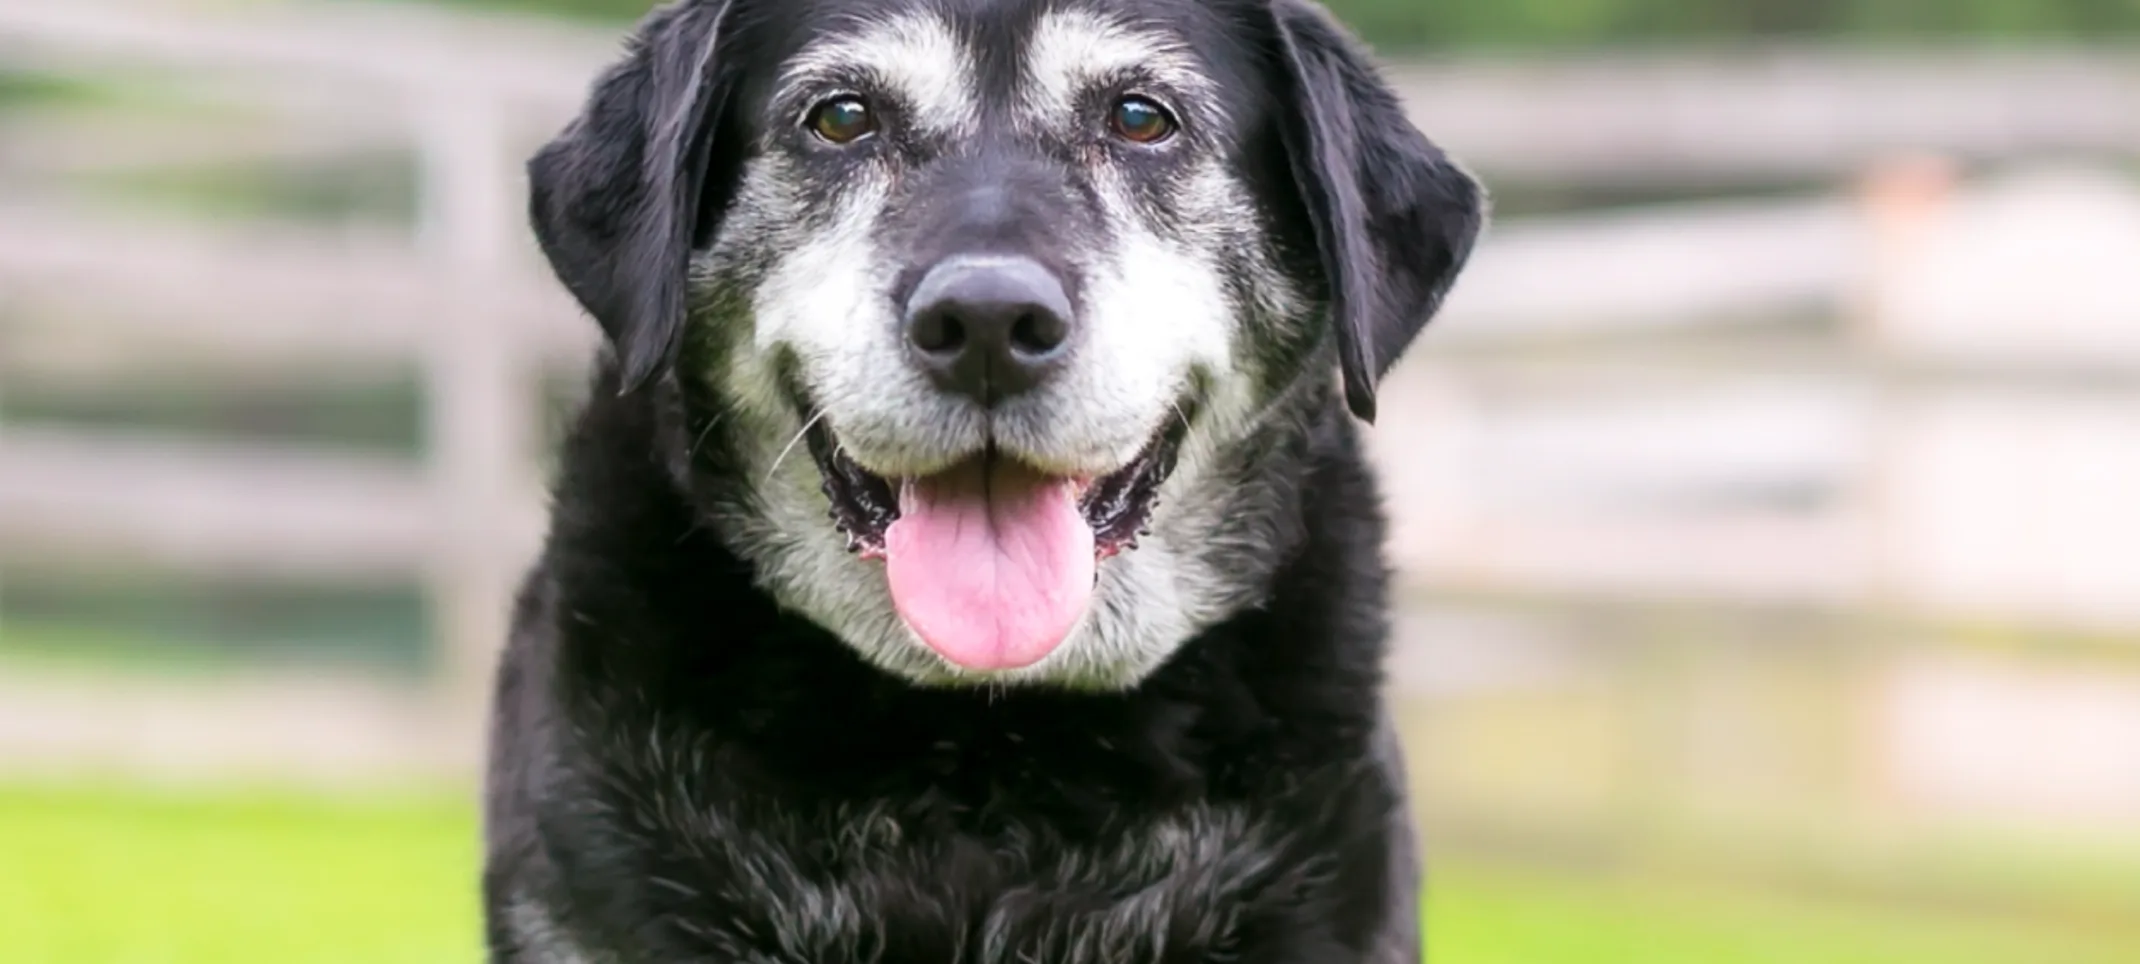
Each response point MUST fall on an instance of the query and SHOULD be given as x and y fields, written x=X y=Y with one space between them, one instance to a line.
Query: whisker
x=807 y=426
x=692 y=452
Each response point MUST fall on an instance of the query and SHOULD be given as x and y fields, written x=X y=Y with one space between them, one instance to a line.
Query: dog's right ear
x=616 y=198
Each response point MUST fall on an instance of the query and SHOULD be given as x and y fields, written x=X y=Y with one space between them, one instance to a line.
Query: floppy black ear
x=616 y=198
x=1394 y=217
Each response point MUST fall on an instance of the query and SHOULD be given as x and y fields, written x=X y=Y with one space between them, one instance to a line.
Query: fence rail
x=259 y=292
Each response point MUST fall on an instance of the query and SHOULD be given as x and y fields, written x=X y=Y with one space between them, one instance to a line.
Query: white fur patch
x=1074 y=50
x=915 y=56
x=826 y=304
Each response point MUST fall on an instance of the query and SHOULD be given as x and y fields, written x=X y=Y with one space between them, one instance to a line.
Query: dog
x=966 y=551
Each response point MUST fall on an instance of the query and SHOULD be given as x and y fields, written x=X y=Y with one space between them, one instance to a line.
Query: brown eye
x=1140 y=120
x=842 y=120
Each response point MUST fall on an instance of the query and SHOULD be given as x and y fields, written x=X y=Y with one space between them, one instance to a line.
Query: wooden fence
x=463 y=298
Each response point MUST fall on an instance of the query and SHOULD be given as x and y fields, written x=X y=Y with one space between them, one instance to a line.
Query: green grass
x=97 y=878
x=1483 y=915
x=135 y=878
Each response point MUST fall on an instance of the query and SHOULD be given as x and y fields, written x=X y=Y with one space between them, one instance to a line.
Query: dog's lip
x=1117 y=503
x=1082 y=478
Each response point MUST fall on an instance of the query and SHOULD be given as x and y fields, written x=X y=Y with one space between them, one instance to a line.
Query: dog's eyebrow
x=1072 y=51
x=916 y=57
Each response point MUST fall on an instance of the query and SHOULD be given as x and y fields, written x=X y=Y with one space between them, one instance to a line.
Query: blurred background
x=1767 y=499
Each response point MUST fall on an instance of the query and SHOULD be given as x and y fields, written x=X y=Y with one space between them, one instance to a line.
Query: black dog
x=967 y=554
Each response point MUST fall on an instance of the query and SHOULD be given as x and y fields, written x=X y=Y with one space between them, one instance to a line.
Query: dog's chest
x=1178 y=888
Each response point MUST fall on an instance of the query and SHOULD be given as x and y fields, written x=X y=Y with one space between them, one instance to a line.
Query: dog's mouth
x=1116 y=506
x=990 y=561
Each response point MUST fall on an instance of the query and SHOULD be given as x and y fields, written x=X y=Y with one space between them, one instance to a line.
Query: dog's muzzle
x=990 y=559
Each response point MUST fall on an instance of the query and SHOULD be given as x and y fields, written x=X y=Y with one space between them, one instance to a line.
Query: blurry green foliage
x=21 y=89
x=1446 y=23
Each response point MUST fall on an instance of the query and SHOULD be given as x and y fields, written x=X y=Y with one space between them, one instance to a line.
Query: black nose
x=989 y=328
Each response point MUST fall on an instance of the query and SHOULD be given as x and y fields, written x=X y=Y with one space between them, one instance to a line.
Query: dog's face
x=997 y=298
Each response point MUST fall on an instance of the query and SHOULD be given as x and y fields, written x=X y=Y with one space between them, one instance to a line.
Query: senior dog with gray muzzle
x=966 y=553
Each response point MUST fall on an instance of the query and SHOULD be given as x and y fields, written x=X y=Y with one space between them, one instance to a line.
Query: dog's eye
x=1140 y=120
x=842 y=120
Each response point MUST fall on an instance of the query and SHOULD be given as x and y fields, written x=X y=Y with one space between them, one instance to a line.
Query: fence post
x=1900 y=200
x=479 y=397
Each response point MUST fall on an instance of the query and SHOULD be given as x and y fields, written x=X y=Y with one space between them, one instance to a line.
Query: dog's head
x=1026 y=282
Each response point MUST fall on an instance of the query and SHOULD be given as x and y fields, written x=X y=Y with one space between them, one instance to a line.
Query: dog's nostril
x=937 y=333
x=1038 y=333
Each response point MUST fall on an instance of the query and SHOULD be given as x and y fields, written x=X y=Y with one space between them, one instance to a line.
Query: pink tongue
x=990 y=563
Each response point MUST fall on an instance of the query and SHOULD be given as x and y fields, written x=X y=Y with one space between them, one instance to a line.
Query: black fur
x=683 y=771
x=1394 y=218
x=617 y=200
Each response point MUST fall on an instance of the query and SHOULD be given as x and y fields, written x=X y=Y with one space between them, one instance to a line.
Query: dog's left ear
x=618 y=198
x=1394 y=217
